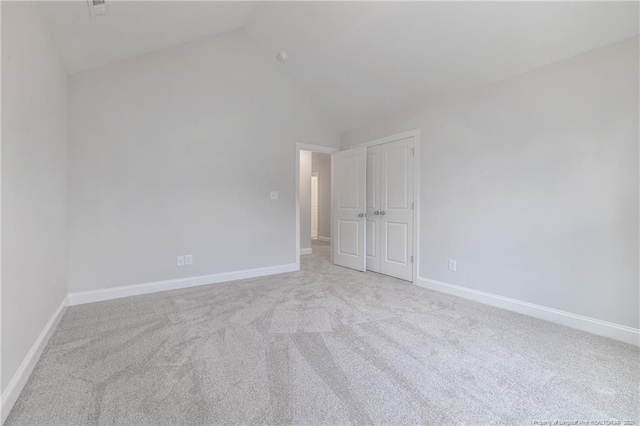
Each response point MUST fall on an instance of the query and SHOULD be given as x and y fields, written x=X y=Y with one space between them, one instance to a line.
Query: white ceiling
x=358 y=61
x=132 y=28
x=362 y=61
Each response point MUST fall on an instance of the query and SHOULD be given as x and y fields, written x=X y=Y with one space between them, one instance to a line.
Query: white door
x=396 y=209
x=349 y=196
x=314 y=207
x=373 y=208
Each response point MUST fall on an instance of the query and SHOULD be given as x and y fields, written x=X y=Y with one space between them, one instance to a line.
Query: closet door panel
x=373 y=208
x=396 y=209
x=348 y=204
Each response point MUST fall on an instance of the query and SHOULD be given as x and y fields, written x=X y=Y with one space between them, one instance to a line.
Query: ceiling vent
x=97 y=8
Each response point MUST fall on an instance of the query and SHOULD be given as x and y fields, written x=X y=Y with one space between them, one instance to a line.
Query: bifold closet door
x=348 y=203
x=396 y=209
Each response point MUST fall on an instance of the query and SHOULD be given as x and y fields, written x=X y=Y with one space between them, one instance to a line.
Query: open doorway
x=321 y=191
x=315 y=208
x=314 y=201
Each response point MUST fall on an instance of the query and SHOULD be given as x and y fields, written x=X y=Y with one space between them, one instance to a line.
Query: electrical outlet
x=188 y=259
x=452 y=265
x=274 y=195
x=180 y=260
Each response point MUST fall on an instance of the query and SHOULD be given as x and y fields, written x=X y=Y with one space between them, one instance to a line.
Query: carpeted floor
x=323 y=345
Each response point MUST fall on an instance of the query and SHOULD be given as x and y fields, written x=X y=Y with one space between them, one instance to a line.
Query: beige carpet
x=324 y=345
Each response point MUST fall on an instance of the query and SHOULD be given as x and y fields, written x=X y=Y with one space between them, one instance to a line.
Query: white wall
x=305 y=199
x=34 y=182
x=176 y=152
x=321 y=164
x=531 y=184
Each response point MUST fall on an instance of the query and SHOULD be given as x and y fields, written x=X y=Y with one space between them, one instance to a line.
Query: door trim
x=313 y=148
x=415 y=133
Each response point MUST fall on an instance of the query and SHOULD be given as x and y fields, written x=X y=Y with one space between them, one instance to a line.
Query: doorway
x=313 y=200
x=314 y=206
x=375 y=207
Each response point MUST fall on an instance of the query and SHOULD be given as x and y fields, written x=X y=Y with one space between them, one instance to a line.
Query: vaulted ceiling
x=131 y=28
x=358 y=61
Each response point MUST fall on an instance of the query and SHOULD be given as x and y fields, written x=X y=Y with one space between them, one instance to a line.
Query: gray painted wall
x=322 y=166
x=176 y=152
x=34 y=182
x=531 y=184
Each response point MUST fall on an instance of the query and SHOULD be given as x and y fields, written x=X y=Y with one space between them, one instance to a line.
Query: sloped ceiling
x=361 y=61
x=132 y=28
x=358 y=61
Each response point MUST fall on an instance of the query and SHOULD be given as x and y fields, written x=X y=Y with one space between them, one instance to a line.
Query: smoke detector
x=282 y=56
x=97 y=8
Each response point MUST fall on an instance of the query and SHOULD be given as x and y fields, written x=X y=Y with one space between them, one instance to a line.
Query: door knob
x=376 y=212
x=382 y=212
x=360 y=214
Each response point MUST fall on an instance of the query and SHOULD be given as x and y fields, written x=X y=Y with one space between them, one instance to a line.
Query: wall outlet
x=274 y=195
x=180 y=260
x=188 y=259
x=452 y=265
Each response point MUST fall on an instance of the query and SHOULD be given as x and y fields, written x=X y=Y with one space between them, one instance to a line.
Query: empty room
x=394 y=213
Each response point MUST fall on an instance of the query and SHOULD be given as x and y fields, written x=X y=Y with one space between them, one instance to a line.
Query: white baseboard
x=325 y=239
x=591 y=325
x=154 y=287
x=305 y=251
x=19 y=379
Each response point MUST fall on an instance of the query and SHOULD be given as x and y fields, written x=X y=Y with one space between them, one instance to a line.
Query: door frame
x=415 y=133
x=313 y=148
